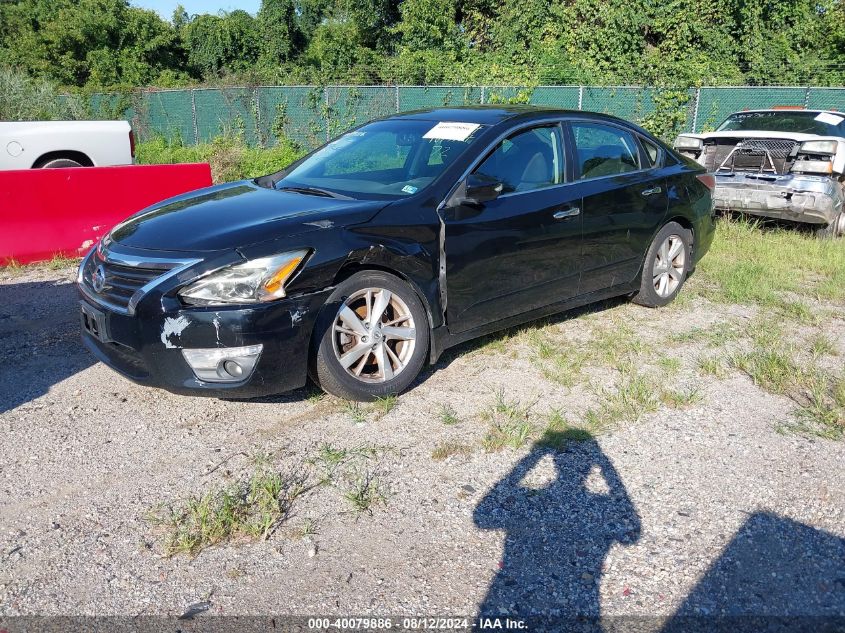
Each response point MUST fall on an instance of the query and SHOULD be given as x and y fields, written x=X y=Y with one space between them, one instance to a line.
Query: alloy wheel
x=669 y=266
x=373 y=335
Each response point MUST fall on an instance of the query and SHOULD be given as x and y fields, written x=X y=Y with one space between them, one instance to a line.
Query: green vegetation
x=229 y=156
x=253 y=508
x=108 y=44
x=757 y=265
x=448 y=415
x=450 y=449
x=364 y=491
x=510 y=424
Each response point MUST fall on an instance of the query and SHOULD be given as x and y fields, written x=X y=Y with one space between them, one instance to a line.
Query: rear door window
x=604 y=150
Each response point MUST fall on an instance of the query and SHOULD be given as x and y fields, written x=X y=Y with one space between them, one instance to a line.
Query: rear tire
x=666 y=266
x=58 y=163
x=834 y=229
x=371 y=338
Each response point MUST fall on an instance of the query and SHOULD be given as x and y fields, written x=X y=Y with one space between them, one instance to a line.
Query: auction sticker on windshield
x=451 y=131
x=830 y=119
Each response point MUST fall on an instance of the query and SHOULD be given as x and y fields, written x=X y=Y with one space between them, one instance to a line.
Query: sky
x=165 y=7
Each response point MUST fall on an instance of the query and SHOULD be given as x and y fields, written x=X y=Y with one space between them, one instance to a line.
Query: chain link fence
x=310 y=115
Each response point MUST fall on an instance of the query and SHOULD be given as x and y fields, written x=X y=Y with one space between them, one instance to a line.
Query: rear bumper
x=799 y=198
x=148 y=350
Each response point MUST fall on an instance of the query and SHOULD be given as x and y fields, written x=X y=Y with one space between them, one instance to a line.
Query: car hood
x=235 y=215
x=792 y=136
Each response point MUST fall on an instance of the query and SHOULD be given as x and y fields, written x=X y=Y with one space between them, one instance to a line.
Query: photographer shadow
x=557 y=534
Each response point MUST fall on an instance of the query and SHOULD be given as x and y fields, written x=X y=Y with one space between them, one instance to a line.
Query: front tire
x=667 y=264
x=372 y=338
x=834 y=229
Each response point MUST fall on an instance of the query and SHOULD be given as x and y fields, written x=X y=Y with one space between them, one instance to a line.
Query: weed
x=448 y=415
x=824 y=412
x=308 y=528
x=681 y=399
x=635 y=397
x=356 y=412
x=558 y=432
x=450 y=449
x=771 y=368
x=509 y=423
x=384 y=405
x=59 y=261
x=822 y=345
x=669 y=364
x=252 y=508
x=713 y=365
x=364 y=491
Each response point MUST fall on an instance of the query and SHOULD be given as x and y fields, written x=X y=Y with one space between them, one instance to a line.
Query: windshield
x=382 y=160
x=823 y=124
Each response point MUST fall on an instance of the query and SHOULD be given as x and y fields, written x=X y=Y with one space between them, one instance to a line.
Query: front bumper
x=148 y=348
x=798 y=198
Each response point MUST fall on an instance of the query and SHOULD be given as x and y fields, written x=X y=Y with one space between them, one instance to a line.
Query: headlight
x=688 y=142
x=253 y=281
x=819 y=147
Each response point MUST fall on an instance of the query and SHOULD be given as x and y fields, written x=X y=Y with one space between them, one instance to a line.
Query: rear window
x=823 y=124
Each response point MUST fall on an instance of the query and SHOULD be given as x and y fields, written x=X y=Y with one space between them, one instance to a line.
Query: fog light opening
x=223 y=364
x=233 y=369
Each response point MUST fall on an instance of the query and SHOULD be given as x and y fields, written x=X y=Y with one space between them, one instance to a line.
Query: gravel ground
x=706 y=509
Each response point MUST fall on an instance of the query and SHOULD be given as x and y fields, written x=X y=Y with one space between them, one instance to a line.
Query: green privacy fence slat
x=418 y=97
x=309 y=115
x=565 y=97
x=826 y=99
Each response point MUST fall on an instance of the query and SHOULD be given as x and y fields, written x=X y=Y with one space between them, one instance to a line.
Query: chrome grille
x=752 y=154
x=119 y=281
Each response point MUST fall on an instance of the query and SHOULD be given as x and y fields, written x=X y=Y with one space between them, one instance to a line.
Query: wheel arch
x=79 y=157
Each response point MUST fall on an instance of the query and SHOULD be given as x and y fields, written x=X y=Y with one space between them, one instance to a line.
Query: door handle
x=652 y=191
x=567 y=213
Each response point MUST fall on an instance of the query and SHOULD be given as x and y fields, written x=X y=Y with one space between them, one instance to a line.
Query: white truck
x=781 y=163
x=37 y=144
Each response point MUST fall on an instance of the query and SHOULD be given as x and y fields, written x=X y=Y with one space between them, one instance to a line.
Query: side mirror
x=481 y=189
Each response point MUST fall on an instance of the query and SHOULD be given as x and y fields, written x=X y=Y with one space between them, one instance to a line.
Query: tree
x=280 y=35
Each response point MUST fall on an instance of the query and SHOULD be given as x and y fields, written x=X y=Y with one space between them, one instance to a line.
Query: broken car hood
x=236 y=215
x=791 y=136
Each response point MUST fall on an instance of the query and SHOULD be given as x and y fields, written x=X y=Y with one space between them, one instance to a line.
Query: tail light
x=132 y=144
x=708 y=180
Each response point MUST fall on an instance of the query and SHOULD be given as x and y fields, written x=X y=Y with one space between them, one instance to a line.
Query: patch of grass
x=713 y=366
x=59 y=261
x=635 y=397
x=558 y=433
x=450 y=449
x=308 y=528
x=251 y=508
x=448 y=415
x=560 y=362
x=384 y=405
x=615 y=345
x=822 y=345
x=771 y=368
x=669 y=364
x=510 y=425
x=795 y=311
x=824 y=412
x=681 y=399
x=364 y=491
x=715 y=335
x=355 y=411
x=753 y=265
x=329 y=459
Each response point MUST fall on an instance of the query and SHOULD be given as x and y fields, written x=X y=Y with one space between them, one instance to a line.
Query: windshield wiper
x=315 y=191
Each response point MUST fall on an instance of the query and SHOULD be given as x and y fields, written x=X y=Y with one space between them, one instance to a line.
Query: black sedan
x=373 y=254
